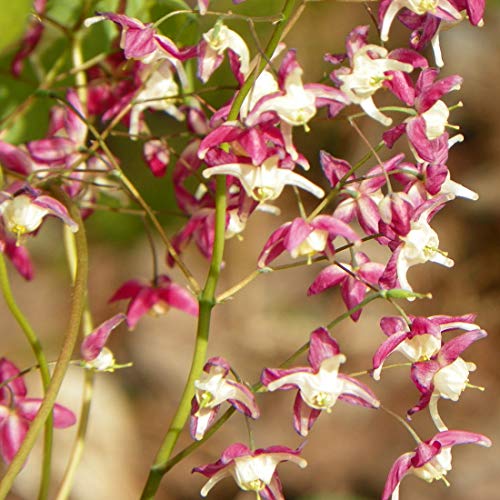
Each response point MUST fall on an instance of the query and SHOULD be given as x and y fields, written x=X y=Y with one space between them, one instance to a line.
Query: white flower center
x=315 y=242
x=21 y=216
x=420 y=347
x=436 y=119
x=254 y=473
x=452 y=380
x=421 y=7
x=436 y=468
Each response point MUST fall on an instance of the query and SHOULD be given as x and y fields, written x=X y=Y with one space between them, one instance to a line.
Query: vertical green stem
x=207 y=297
x=44 y=372
x=77 y=306
x=88 y=383
x=207 y=302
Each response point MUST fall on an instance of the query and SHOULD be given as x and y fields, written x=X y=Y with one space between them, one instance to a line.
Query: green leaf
x=13 y=20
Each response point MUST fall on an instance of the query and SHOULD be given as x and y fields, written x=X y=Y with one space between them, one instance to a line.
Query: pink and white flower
x=213 y=46
x=252 y=470
x=445 y=375
x=418 y=341
x=265 y=182
x=94 y=353
x=352 y=279
x=305 y=239
x=156 y=299
x=17 y=411
x=430 y=461
x=24 y=213
x=319 y=385
x=214 y=388
x=370 y=69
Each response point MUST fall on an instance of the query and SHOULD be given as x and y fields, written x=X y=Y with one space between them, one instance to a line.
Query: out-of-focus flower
x=17 y=411
x=156 y=299
x=213 y=46
x=94 y=353
x=24 y=213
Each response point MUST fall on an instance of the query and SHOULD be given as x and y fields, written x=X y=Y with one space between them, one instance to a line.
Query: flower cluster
x=226 y=165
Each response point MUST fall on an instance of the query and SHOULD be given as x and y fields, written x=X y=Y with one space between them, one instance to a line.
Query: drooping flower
x=159 y=92
x=252 y=470
x=416 y=244
x=156 y=299
x=17 y=254
x=352 y=279
x=418 y=341
x=24 y=213
x=430 y=460
x=214 y=388
x=442 y=9
x=30 y=39
x=17 y=411
x=319 y=385
x=213 y=46
x=445 y=375
x=141 y=41
x=358 y=199
x=302 y=238
x=94 y=353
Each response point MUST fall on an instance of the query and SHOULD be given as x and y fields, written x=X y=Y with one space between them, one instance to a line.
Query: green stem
x=225 y=417
x=207 y=298
x=88 y=382
x=79 y=444
x=44 y=372
x=207 y=302
x=77 y=306
x=271 y=47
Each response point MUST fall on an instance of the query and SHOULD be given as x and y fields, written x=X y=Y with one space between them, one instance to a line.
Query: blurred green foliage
x=13 y=20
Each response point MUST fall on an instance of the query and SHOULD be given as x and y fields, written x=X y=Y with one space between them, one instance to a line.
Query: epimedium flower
x=94 y=353
x=252 y=470
x=141 y=41
x=359 y=199
x=294 y=103
x=158 y=93
x=17 y=411
x=17 y=254
x=303 y=238
x=214 y=388
x=156 y=298
x=370 y=69
x=214 y=44
x=31 y=38
x=24 y=213
x=442 y=9
x=419 y=340
x=430 y=461
x=413 y=242
x=352 y=279
x=264 y=182
x=445 y=375
x=319 y=385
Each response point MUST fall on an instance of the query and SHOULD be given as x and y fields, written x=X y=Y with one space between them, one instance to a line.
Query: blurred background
x=351 y=450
